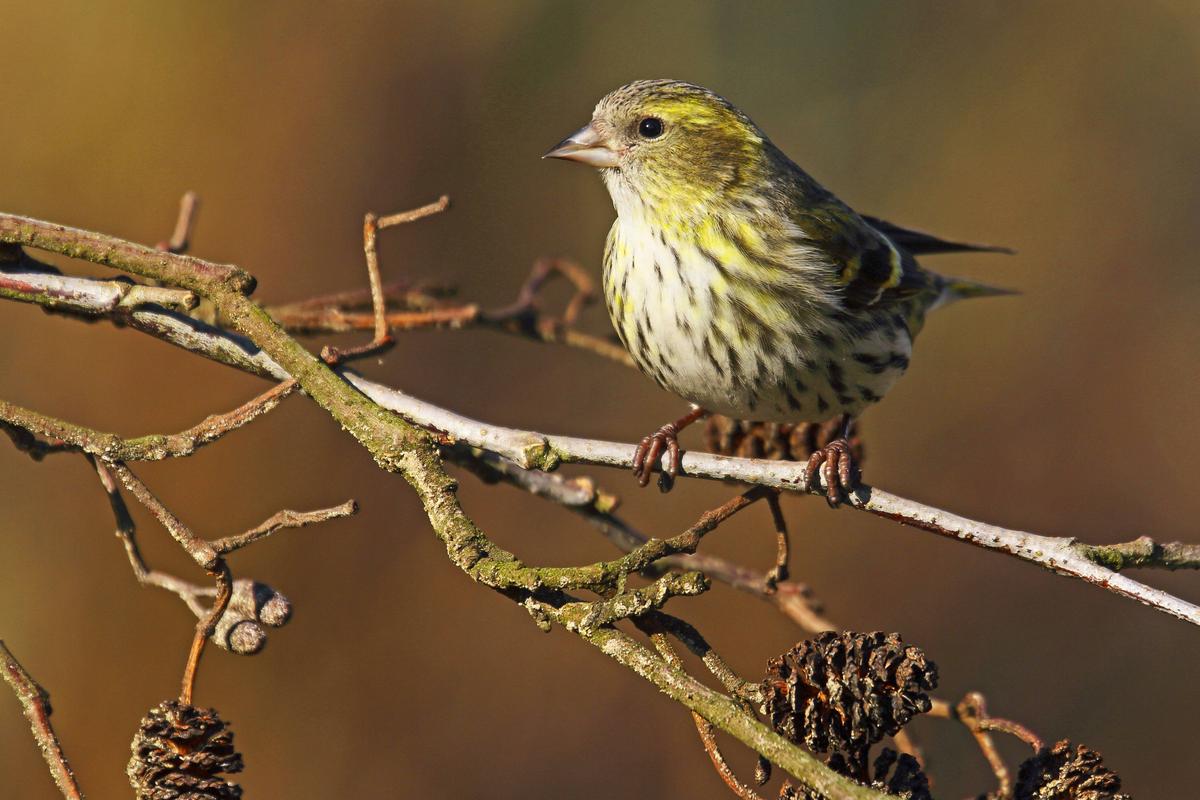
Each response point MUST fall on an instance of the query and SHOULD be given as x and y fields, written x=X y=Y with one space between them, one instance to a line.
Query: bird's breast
x=750 y=349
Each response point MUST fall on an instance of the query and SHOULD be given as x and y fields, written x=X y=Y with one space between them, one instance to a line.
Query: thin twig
x=782 y=548
x=152 y=447
x=200 y=551
x=690 y=638
x=414 y=214
x=126 y=531
x=708 y=736
x=381 y=339
x=281 y=520
x=522 y=317
x=971 y=711
x=401 y=294
x=204 y=630
x=181 y=237
x=35 y=702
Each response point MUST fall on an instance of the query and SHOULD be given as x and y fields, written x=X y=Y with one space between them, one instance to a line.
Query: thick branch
x=535 y=450
x=88 y=297
x=581 y=496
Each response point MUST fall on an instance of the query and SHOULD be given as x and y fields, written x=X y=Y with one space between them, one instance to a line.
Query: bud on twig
x=239 y=629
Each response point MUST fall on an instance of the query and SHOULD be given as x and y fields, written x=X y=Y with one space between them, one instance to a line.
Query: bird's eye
x=650 y=128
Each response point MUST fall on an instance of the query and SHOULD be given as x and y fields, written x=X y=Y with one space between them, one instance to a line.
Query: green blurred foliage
x=1066 y=130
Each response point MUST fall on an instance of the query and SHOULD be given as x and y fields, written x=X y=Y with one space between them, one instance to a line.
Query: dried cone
x=898 y=775
x=842 y=692
x=775 y=440
x=180 y=752
x=1065 y=773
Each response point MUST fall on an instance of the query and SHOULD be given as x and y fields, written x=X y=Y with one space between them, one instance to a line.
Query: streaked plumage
x=737 y=281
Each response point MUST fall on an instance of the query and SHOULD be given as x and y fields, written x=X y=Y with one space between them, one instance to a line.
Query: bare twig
x=152 y=447
x=398 y=295
x=35 y=702
x=708 y=736
x=204 y=630
x=200 y=551
x=188 y=592
x=971 y=711
x=693 y=641
x=181 y=237
x=782 y=548
x=412 y=215
x=381 y=339
x=281 y=520
x=523 y=317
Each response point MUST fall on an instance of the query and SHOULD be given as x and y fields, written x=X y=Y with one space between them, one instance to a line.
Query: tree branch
x=401 y=444
x=35 y=702
x=152 y=447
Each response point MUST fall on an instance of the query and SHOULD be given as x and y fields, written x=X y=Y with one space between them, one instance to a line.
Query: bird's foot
x=839 y=474
x=666 y=439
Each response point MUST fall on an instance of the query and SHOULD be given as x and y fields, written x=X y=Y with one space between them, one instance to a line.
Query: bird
x=739 y=283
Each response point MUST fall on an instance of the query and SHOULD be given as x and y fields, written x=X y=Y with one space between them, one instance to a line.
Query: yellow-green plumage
x=734 y=279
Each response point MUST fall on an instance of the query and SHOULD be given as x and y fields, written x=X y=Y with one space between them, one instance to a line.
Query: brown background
x=1067 y=130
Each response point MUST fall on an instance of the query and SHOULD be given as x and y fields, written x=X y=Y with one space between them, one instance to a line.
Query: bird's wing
x=921 y=243
x=868 y=266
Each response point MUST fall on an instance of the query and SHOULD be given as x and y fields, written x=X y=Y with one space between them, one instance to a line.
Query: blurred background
x=1066 y=130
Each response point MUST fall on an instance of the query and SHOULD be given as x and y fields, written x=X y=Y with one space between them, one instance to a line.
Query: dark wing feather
x=921 y=243
x=873 y=269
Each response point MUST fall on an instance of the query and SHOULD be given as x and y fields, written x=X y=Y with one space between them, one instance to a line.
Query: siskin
x=739 y=283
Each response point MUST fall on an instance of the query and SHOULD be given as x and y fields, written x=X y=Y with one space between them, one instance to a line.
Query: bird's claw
x=648 y=452
x=839 y=474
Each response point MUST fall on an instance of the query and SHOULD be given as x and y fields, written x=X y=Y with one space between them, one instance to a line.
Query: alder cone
x=897 y=774
x=843 y=692
x=180 y=753
x=785 y=441
x=1063 y=772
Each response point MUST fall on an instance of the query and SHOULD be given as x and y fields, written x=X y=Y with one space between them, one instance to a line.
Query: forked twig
x=381 y=339
x=971 y=711
x=708 y=735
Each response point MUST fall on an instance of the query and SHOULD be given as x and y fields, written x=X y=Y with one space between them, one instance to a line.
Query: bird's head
x=666 y=142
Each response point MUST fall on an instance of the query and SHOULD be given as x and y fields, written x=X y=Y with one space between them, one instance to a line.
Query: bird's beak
x=587 y=146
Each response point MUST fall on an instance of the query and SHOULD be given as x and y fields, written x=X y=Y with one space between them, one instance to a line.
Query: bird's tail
x=954 y=289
